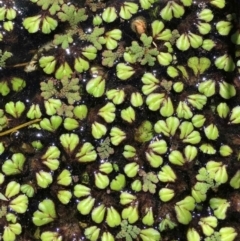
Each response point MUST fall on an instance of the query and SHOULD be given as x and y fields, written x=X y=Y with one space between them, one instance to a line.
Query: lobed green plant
x=16 y=84
x=66 y=89
x=143 y=55
x=3 y=58
x=105 y=150
x=149 y=181
x=129 y=232
x=110 y=57
x=121 y=132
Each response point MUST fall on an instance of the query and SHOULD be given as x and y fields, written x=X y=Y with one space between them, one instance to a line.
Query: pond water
x=119 y=120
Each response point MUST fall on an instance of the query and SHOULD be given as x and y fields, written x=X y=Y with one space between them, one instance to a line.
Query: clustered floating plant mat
x=119 y=120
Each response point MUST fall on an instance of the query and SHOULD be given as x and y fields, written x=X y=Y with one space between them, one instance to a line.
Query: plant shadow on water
x=119 y=120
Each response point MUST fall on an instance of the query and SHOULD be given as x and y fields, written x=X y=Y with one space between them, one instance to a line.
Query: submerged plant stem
x=4 y=133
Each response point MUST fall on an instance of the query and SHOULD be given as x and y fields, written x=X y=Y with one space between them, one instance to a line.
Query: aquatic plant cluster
x=119 y=120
